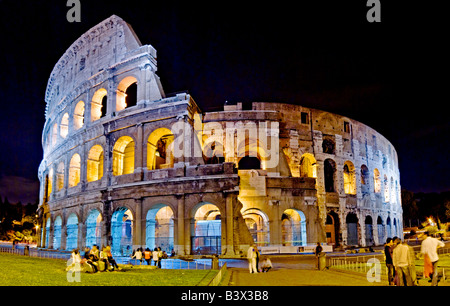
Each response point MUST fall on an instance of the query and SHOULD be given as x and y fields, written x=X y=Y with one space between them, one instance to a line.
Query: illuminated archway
x=293 y=228
x=160 y=228
x=99 y=104
x=47 y=232
x=72 y=232
x=60 y=176
x=64 y=126
x=376 y=180
x=57 y=233
x=93 y=228
x=122 y=232
x=349 y=178
x=123 y=156
x=308 y=166
x=74 y=170
x=206 y=229
x=258 y=224
x=126 y=93
x=78 y=116
x=95 y=163
x=160 y=149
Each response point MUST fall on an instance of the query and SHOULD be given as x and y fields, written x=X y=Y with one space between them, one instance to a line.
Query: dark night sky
x=323 y=55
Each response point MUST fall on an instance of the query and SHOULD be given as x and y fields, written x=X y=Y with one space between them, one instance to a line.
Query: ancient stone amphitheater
x=128 y=166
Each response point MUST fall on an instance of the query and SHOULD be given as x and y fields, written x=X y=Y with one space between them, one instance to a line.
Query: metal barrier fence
x=197 y=264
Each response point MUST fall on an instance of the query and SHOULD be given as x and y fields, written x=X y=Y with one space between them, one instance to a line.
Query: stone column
x=229 y=201
x=139 y=152
x=275 y=224
x=180 y=243
x=137 y=237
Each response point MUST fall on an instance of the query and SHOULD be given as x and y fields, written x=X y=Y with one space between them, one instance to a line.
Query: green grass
x=28 y=271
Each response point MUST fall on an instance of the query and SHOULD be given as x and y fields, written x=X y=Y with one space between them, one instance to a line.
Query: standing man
x=429 y=247
x=251 y=257
x=389 y=264
x=317 y=253
x=402 y=262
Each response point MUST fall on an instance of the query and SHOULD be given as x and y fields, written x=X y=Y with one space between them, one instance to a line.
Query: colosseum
x=128 y=166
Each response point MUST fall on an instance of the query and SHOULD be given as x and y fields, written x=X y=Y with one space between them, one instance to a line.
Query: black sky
x=320 y=54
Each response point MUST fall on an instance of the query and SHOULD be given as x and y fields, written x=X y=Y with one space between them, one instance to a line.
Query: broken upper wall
x=102 y=47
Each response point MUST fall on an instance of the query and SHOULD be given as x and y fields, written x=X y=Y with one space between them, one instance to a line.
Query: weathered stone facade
x=118 y=152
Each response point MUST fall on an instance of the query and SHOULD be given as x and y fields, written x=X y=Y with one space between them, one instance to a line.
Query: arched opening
x=380 y=229
x=74 y=170
x=93 y=228
x=72 y=232
x=369 y=231
x=329 y=175
x=249 y=162
x=60 y=176
x=395 y=228
x=160 y=149
x=159 y=229
x=386 y=189
x=258 y=224
x=365 y=179
x=126 y=93
x=95 y=163
x=293 y=228
x=376 y=181
x=123 y=156
x=388 y=228
x=122 y=232
x=78 y=116
x=332 y=228
x=47 y=232
x=54 y=134
x=352 y=229
x=328 y=146
x=308 y=166
x=349 y=178
x=64 y=126
x=206 y=230
x=99 y=104
x=57 y=233
x=50 y=183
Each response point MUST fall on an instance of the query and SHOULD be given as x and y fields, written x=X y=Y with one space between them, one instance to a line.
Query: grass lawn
x=29 y=271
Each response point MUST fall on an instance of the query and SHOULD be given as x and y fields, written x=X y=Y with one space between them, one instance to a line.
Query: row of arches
x=159 y=156
x=71 y=121
x=384 y=229
x=205 y=235
x=390 y=189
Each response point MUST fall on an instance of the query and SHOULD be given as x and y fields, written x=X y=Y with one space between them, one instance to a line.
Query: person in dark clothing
x=317 y=253
x=388 y=250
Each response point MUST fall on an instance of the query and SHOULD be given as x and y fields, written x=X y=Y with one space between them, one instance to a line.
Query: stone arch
x=99 y=104
x=60 y=176
x=293 y=228
x=78 y=116
x=123 y=156
x=352 y=229
x=349 y=178
x=64 y=126
x=93 y=228
x=258 y=225
x=206 y=229
x=365 y=179
x=126 y=95
x=160 y=149
x=122 y=231
x=332 y=228
x=381 y=232
x=95 y=162
x=57 y=232
x=74 y=170
x=329 y=168
x=376 y=181
x=159 y=229
x=308 y=166
x=72 y=232
x=368 y=228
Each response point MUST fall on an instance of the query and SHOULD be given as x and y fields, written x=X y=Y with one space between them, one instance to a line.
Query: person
x=87 y=260
x=75 y=261
x=104 y=259
x=389 y=264
x=138 y=255
x=257 y=258
x=402 y=261
x=156 y=257
x=251 y=257
x=412 y=267
x=111 y=260
x=160 y=256
x=429 y=248
x=266 y=264
x=148 y=256
x=317 y=252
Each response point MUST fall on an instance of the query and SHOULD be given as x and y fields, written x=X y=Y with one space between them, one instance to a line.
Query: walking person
x=429 y=247
x=389 y=264
x=148 y=256
x=402 y=262
x=155 y=257
x=251 y=257
x=138 y=255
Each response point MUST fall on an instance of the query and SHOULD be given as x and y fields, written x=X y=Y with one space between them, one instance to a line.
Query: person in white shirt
x=402 y=262
x=251 y=256
x=429 y=247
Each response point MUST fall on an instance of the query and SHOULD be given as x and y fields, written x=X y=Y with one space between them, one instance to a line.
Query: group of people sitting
x=95 y=260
